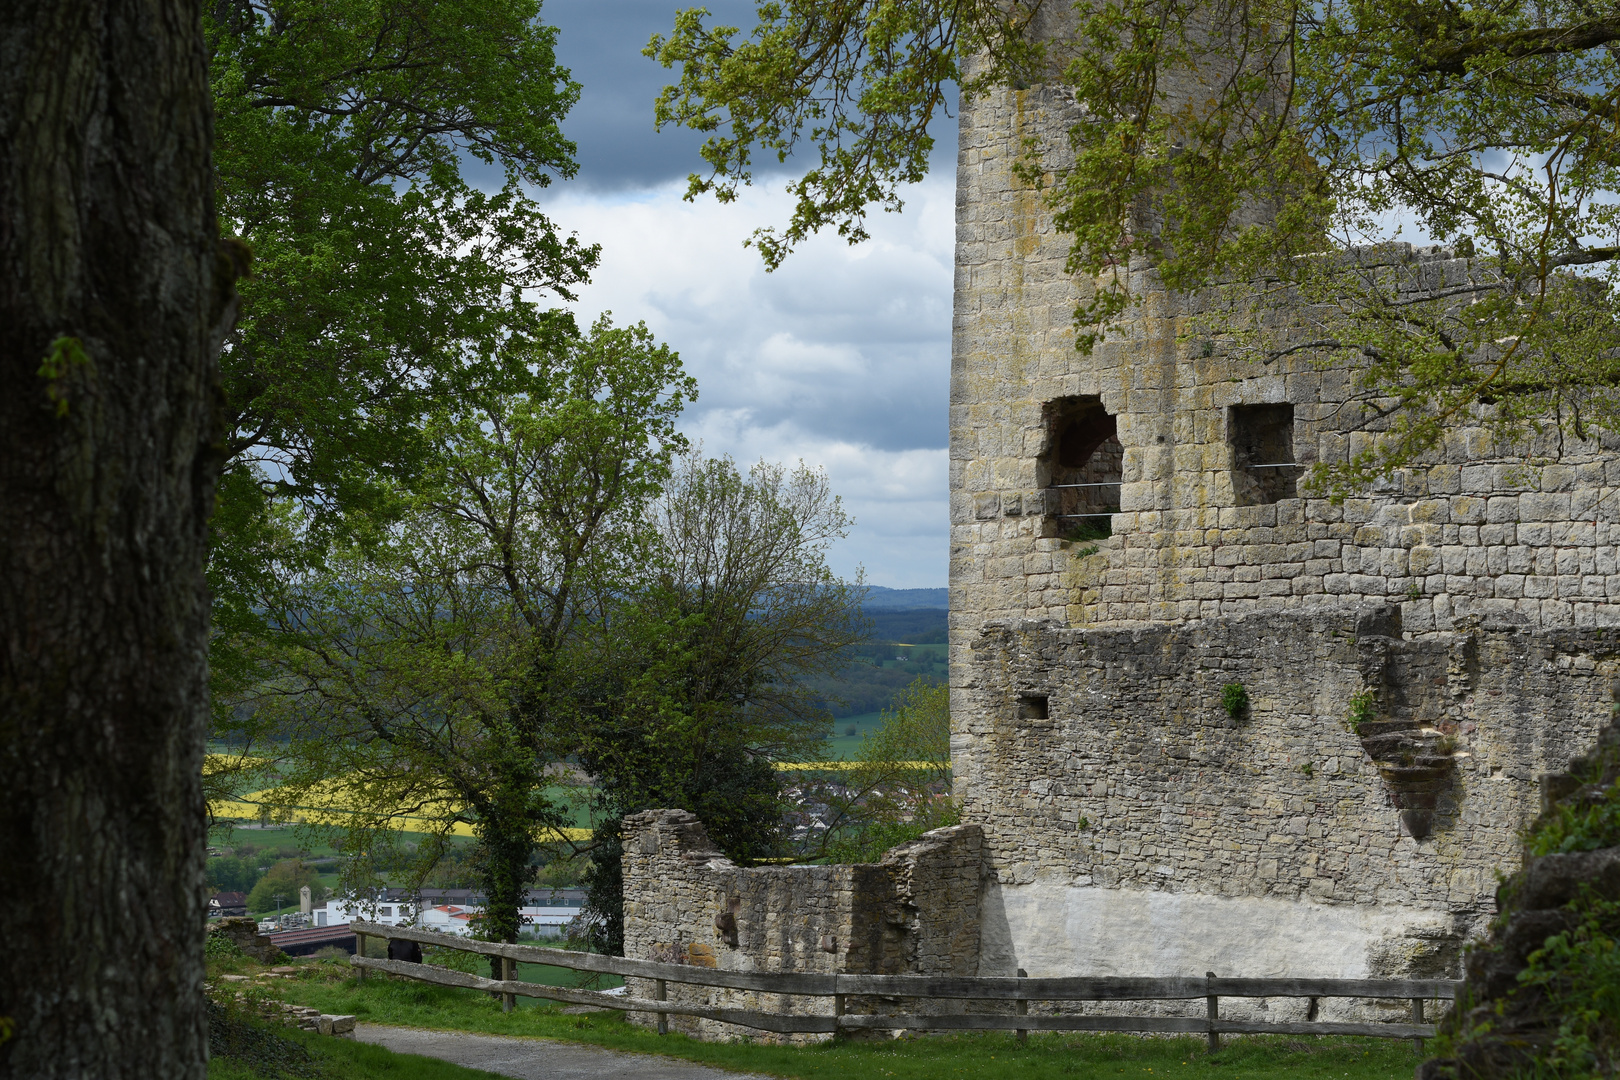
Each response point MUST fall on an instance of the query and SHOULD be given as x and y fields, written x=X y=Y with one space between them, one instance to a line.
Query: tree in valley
x=233 y=873
x=1226 y=142
x=438 y=666
x=732 y=616
x=897 y=787
x=116 y=293
x=278 y=888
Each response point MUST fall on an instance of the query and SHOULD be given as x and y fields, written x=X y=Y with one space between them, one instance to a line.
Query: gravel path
x=538 y=1059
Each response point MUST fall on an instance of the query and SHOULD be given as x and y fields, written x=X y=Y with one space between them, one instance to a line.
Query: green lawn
x=345 y=1058
x=1054 y=1056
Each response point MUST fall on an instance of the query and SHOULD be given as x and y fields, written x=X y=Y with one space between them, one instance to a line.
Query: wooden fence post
x=508 y=973
x=360 y=951
x=1213 y=1011
x=1417 y=1018
x=1023 y=1009
x=662 y=994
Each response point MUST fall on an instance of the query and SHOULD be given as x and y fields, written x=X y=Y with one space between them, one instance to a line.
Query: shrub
x=221 y=947
x=1579 y=973
x=1235 y=700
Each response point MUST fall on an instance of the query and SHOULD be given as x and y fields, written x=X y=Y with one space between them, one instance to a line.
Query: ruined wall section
x=916 y=911
x=1134 y=827
x=1473 y=530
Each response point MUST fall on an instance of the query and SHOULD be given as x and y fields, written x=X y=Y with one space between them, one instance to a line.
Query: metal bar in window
x=1278 y=465
x=1111 y=513
x=1105 y=483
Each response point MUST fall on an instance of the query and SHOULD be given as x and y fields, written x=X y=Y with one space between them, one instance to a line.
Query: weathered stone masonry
x=1476 y=530
x=915 y=912
x=1133 y=827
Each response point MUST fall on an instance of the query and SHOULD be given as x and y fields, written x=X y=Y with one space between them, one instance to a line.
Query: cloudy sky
x=841 y=358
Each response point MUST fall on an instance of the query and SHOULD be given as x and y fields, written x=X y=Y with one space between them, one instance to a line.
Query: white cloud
x=841 y=358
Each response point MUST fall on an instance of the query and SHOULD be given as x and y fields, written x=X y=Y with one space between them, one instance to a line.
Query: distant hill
x=879 y=598
x=879 y=668
x=918 y=626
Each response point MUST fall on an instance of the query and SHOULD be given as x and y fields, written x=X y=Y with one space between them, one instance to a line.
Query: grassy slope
x=1107 y=1057
x=350 y=1060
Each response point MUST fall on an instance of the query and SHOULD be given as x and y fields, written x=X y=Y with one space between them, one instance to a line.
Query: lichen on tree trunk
x=114 y=296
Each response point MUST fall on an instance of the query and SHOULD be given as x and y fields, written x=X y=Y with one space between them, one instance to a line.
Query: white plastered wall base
x=1053 y=929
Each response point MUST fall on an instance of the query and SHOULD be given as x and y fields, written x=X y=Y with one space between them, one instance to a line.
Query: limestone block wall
x=1133 y=827
x=1476 y=529
x=916 y=911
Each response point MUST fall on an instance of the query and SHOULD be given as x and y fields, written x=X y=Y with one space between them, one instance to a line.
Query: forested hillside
x=906 y=643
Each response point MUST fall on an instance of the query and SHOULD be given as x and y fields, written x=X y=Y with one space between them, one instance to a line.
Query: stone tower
x=1134 y=825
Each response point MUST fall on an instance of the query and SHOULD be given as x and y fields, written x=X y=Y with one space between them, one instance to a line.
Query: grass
x=842 y=747
x=329 y=987
x=344 y=1058
x=242 y=1046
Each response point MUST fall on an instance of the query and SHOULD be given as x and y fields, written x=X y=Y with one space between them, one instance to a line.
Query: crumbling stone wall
x=244 y=933
x=916 y=911
x=1133 y=827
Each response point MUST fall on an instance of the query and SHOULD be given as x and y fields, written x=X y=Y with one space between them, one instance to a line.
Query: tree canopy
x=439 y=666
x=720 y=635
x=385 y=282
x=1244 y=143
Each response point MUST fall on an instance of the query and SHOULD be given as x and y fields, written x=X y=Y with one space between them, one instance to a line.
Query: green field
x=845 y=747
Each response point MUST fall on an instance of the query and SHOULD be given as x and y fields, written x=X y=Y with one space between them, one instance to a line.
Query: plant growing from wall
x=1363 y=710
x=1235 y=700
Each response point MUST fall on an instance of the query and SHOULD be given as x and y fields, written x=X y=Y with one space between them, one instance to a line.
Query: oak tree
x=387 y=280
x=719 y=636
x=114 y=296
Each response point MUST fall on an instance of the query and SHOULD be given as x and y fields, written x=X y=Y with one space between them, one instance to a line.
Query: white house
x=453 y=911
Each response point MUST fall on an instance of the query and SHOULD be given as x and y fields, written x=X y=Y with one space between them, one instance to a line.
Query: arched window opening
x=1081 y=467
x=1263 y=466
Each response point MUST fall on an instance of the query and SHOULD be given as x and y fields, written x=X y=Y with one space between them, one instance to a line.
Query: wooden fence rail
x=1020 y=991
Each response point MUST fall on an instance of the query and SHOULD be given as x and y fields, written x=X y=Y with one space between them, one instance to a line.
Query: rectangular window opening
x=1032 y=707
x=1263 y=466
x=1081 y=467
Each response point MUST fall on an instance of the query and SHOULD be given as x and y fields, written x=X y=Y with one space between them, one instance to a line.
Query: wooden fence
x=1018 y=991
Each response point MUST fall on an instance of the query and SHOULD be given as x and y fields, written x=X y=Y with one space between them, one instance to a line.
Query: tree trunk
x=114 y=293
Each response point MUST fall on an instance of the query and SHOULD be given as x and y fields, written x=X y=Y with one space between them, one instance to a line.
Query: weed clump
x=1363 y=710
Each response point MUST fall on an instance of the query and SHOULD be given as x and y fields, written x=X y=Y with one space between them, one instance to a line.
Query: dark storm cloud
x=601 y=42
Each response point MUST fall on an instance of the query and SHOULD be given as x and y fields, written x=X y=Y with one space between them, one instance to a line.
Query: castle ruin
x=1123 y=819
